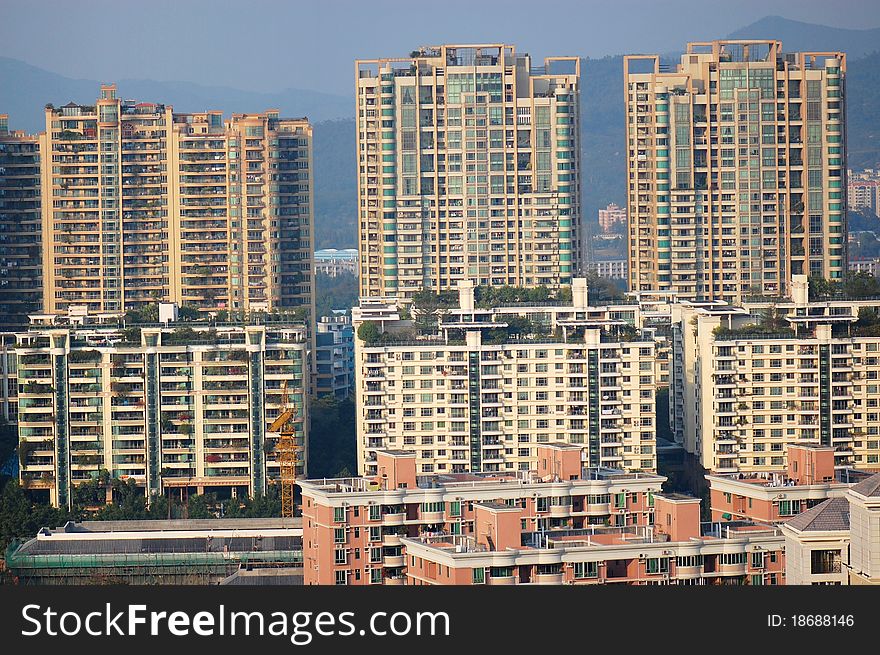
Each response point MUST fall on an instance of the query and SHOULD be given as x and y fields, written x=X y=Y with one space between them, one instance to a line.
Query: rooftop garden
x=853 y=286
x=771 y=324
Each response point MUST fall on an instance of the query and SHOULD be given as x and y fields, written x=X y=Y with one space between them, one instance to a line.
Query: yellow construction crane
x=287 y=451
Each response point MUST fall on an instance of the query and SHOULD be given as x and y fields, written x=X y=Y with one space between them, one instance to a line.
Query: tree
x=368 y=332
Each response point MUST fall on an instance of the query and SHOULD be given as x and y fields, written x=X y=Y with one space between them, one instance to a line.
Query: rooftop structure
x=154 y=552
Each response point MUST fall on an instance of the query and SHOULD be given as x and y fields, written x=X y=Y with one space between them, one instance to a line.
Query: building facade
x=354 y=529
x=20 y=233
x=615 y=269
x=610 y=217
x=491 y=384
x=333 y=262
x=141 y=204
x=168 y=408
x=810 y=479
x=334 y=356
x=467 y=169
x=741 y=394
x=677 y=550
x=736 y=169
x=836 y=542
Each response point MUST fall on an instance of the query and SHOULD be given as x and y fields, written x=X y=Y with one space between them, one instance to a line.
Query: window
x=657 y=565
x=339 y=535
x=339 y=515
x=340 y=556
x=479 y=576
x=455 y=508
x=342 y=577
x=586 y=570
x=620 y=501
x=824 y=561
x=375 y=512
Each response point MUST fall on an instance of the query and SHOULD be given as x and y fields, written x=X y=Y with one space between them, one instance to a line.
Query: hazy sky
x=264 y=45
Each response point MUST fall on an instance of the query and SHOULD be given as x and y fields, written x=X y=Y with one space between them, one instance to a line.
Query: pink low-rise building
x=356 y=530
x=677 y=549
x=810 y=479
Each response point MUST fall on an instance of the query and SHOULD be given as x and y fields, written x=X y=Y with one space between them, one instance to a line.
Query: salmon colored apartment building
x=809 y=480
x=561 y=523
x=354 y=529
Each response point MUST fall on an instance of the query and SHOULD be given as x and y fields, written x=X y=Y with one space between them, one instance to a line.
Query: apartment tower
x=141 y=204
x=467 y=169
x=736 y=162
x=20 y=265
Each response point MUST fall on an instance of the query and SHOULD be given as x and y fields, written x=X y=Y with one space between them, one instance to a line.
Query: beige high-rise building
x=468 y=168
x=736 y=169
x=141 y=204
x=20 y=262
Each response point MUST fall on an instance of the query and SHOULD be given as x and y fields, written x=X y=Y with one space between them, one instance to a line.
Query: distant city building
x=869 y=265
x=186 y=208
x=863 y=190
x=334 y=356
x=21 y=257
x=614 y=269
x=736 y=162
x=610 y=217
x=333 y=262
x=468 y=160
x=477 y=396
x=355 y=529
x=185 y=407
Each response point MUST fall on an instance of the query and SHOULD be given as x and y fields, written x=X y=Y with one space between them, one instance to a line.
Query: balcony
x=391 y=539
x=544 y=578
x=396 y=518
x=395 y=561
x=505 y=580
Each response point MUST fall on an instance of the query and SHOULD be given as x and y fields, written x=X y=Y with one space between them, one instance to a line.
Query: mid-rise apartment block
x=355 y=529
x=744 y=390
x=169 y=408
x=487 y=386
x=468 y=169
x=20 y=254
x=736 y=169
x=142 y=205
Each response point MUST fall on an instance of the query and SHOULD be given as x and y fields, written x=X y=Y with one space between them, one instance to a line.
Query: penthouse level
x=677 y=549
x=353 y=528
